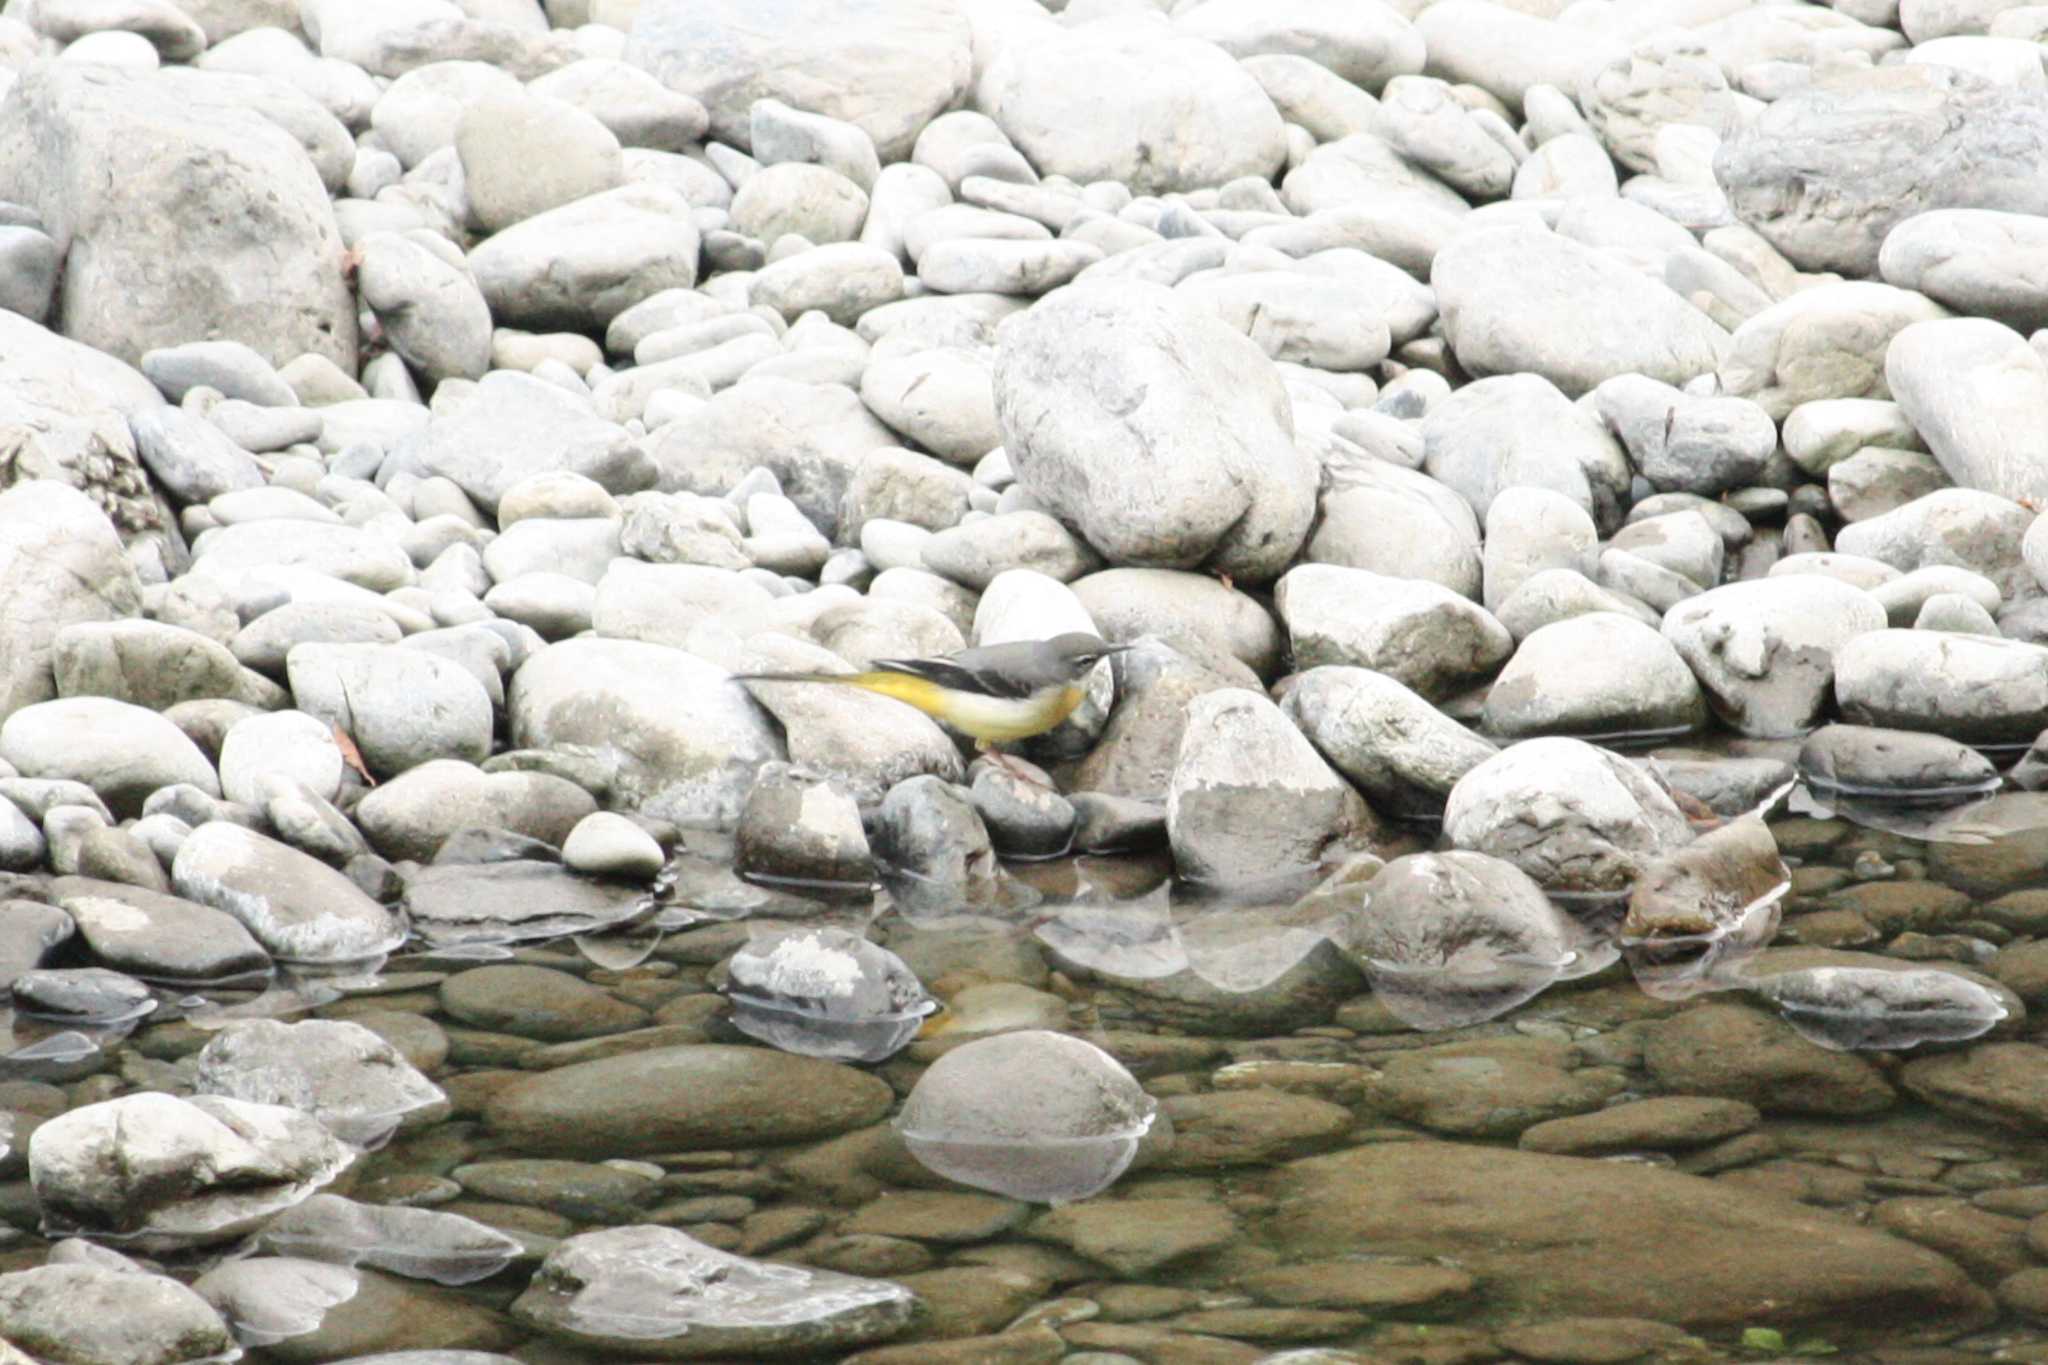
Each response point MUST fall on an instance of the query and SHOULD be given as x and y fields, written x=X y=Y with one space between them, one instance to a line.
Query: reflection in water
x=1930 y=824
x=1872 y=1007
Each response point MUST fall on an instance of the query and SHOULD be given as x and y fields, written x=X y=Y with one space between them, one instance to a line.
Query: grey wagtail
x=993 y=694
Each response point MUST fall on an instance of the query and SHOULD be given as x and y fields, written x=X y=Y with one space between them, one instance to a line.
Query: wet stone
x=1136 y=1237
x=158 y=937
x=658 y=1293
x=795 y=830
x=825 y=993
x=84 y=995
x=1653 y=1125
x=1850 y=1007
x=1487 y=1089
x=535 y=1002
x=1249 y=1128
x=938 y=1216
x=269 y=1299
x=676 y=1099
x=94 y=1313
x=155 y=1172
x=297 y=907
x=584 y=1192
x=2002 y=1084
x=1734 y=1052
x=514 y=901
x=339 y=1072
x=1387 y=1286
x=1696 y=915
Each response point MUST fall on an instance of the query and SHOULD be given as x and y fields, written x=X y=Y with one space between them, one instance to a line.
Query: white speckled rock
x=1977 y=392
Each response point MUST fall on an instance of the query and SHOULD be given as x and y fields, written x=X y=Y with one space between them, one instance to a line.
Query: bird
x=994 y=694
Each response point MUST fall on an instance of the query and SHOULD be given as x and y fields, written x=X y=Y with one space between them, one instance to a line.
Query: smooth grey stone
x=1578 y=819
x=1903 y=596
x=899 y=196
x=265 y=429
x=524 y=154
x=120 y=856
x=842 y=279
x=578 y=266
x=414 y=814
x=1959 y=527
x=402 y=706
x=1312 y=96
x=972 y=265
x=813 y=201
x=1679 y=441
x=520 y=899
x=123 y=752
x=801 y=830
x=22 y=847
x=1484 y=278
x=35 y=797
x=264 y=643
x=1933 y=116
x=430 y=309
x=581 y=547
x=1827 y=342
x=149 y=664
x=348 y=553
x=416 y=1242
x=271 y=1298
x=725 y=1302
x=1952 y=611
x=30 y=265
x=604 y=844
x=942 y=399
x=1426 y=123
x=663 y=603
x=1972 y=388
x=1765 y=650
x=1532 y=530
x=298 y=908
x=1242 y=508
x=262 y=216
x=1251 y=799
x=157 y=936
x=29 y=932
x=107 y=1313
x=916 y=61
x=928 y=833
x=82 y=995
x=355 y=1083
x=1971 y=688
x=1868 y=760
x=640 y=111
x=975 y=552
x=1878 y=479
x=516 y=427
x=681 y=742
x=230 y=367
x=812 y=437
x=1682 y=542
x=1637 y=684
x=1024 y=819
x=1400 y=523
x=1402 y=752
x=1496 y=434
x=60 y=562
x=288 y=744
x=1189 y=116
x=169 y=1173
x=1976 y=261
x=1419 y=633
x=1552 y=595
x=1190 y=611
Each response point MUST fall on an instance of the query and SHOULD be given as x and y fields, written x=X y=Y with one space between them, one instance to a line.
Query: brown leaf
x=351 y=755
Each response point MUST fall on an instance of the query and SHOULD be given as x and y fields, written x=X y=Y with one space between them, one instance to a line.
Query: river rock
x=1976 y=261
x=1095 y=385
x=1807 y=172
x=1639 y=684
x=656 y=1292
x=123 y=752
x=1520 y=431
x=1764 y=651
x=354 y=1082
x=682 y=1099
x=414 y=813
x=401 y=706
x=673 y=736
x=1972 y=688
x=1402 y=752
x=1627 y=1240
x=580 y=265
x=1251 y=798
x=1971 y=387
x=158 y=937
x=916 y=60
x=1421 y=634
x=163 y=1173
x=1192 y=116
x=1511 y=296
x=256 y=236
x=89 y=1312
x=297 y=907
x=1870 y=761
x=60 y=563
x=1827 y=342
x=1580 y=820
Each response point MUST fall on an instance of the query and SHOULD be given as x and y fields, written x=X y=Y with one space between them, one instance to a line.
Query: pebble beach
x=1557 y=870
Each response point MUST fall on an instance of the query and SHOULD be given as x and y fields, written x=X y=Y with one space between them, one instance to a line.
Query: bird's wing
x=992 y=670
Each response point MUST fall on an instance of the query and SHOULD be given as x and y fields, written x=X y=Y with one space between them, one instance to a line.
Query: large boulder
x=1165 y=437
x=915 y=58
x=1185 y=114
x=1978 y=395
x=1827 y=171
x=131 y=172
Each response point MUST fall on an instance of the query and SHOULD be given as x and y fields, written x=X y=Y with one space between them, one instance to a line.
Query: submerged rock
x=1697 y=914
x=339 y=1072
x=825 y=993
x=1856 y=1007
x=94 y=1312
x=656 y=1293
x=1902 y=765
x=422 y=1243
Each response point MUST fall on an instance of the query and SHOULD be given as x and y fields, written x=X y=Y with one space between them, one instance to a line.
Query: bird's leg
x=1009 y=765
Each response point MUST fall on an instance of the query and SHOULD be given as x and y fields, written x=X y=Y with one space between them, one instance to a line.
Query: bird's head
x=1077 y=652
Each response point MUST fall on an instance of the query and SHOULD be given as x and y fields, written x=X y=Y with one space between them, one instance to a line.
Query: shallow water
x=1282 y=1201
